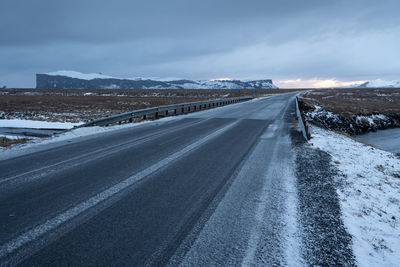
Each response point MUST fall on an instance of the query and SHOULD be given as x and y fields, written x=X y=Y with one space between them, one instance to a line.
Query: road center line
x=51 y=224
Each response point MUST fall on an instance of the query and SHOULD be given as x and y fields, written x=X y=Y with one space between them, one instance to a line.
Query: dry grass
x=348 y=102
x=75 y=105
x=6 y=142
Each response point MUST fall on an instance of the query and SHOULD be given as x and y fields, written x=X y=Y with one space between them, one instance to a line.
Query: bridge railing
x=302 y=121
x=165 y=110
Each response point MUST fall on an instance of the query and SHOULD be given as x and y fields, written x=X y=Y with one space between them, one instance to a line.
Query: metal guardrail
x=156 y=111
x=302 y=122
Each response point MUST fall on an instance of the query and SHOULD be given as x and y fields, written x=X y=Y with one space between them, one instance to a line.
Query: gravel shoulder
x=324 y=237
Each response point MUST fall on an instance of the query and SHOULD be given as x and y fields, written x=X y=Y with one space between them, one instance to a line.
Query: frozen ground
x=16 y=123
x=17 y=129
x=354 y=111
x=369 y=197
x=388 y=140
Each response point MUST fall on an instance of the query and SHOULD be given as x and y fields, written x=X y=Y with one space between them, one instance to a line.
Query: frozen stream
x=28 y=132
x=388 y=140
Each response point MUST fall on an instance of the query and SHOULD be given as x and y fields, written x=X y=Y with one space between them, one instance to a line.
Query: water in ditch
x=388 y=139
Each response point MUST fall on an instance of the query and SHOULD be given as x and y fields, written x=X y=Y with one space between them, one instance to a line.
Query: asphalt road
x=210 y=188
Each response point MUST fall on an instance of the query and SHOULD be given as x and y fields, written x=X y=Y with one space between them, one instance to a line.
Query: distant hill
x=77 y=80
x=377 y=84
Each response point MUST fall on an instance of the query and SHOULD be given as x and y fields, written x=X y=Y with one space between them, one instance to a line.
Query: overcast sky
x=293 y=42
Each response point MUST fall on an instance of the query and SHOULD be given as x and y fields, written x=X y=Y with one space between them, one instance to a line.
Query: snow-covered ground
x=370 y=197
x=16 y=123
x=355 y=124
x=371 y=119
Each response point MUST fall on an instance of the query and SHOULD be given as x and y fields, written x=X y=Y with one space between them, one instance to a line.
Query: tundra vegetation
x=77 y=105
x=353 y=111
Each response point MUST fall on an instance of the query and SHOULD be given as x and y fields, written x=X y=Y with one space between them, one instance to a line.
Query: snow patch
x=370 y=199
x=32 y=124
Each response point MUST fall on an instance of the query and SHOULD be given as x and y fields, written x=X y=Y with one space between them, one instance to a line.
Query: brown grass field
x=348 y=102
x=74 y=105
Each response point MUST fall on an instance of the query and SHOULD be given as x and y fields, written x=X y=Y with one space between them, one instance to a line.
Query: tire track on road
x=31 y=235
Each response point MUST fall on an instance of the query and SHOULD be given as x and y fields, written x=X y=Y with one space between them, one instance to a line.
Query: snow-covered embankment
x=370 y=197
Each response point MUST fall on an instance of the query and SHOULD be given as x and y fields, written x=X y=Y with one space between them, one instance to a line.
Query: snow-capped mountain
x=79 y=75
x=377 y=84
x=77 y=80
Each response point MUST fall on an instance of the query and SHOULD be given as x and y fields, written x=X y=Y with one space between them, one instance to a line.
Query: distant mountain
x=77 y=80
x=377 y=84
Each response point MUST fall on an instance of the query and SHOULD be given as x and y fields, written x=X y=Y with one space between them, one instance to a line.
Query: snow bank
x=16 y=123
x=370 y=199
x=351 y=124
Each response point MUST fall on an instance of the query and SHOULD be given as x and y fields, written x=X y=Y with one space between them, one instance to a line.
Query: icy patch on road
x=370 y=198
x=32 y=124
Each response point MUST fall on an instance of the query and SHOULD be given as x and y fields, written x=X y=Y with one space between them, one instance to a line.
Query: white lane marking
x=51 y=224
x=110 y=150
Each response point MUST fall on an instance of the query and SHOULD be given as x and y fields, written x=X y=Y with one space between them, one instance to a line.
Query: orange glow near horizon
x=314 y=83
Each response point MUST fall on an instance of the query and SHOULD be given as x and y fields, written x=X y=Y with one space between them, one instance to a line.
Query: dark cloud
x=200 y=39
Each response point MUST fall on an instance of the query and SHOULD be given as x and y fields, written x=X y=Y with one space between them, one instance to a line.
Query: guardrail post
x=130 y=120
x=176 y=111
x=144 y=117
x=189 y=109
x=302 y=121
x=156 y=115
x=183 y=110
x=166 y=113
